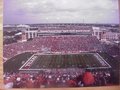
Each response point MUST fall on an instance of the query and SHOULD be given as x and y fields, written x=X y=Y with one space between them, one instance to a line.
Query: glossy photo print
x=61 y=43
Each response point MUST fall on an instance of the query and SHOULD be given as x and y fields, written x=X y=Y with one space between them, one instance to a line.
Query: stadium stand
x=60 y=43
x=72 y=78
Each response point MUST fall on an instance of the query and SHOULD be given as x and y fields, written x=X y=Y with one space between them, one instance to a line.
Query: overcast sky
x=60 y=11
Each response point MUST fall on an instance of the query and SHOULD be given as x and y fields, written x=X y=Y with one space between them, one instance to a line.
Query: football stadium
x=61 y=43
x=58 y=59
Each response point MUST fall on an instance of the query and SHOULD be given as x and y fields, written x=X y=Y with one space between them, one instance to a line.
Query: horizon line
x=56 y=23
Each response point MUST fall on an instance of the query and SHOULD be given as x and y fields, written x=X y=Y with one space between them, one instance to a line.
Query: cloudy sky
x=60 y=11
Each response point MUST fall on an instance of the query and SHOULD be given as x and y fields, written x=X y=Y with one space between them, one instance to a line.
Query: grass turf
x=66 y=61
x=13 y=64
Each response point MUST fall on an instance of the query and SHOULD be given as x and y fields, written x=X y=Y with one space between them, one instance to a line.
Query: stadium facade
x=60 y=29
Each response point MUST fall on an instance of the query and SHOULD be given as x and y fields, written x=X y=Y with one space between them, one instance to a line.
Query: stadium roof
x=96 y=28
x=66 y=28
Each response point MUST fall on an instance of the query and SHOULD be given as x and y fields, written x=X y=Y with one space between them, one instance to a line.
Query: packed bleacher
x=53 y=44
x=57 y=78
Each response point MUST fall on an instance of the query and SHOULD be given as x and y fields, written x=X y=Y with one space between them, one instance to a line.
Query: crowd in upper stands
x=53 y=44
x=58 y=78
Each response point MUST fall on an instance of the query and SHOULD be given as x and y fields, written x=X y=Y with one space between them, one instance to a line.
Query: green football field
x=13 y=64
x=51 y=61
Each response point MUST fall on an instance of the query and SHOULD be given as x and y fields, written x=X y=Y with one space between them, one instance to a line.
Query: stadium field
x=13 y=64
x=62 y=61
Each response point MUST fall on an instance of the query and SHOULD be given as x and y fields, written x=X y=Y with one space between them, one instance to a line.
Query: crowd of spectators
x=57 y=78
x=53 y=44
